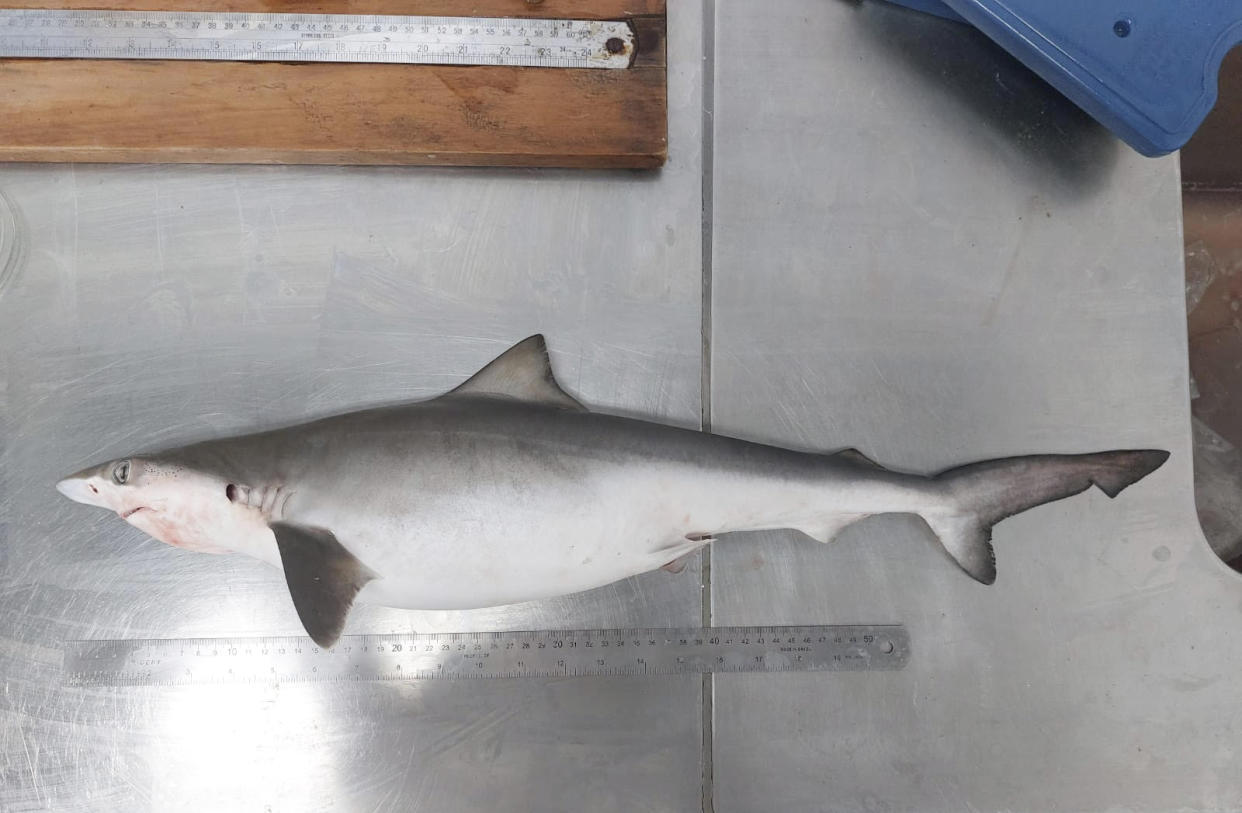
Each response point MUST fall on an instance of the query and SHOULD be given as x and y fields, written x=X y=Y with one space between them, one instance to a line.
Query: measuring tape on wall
x=533 y=43
x=550 y=653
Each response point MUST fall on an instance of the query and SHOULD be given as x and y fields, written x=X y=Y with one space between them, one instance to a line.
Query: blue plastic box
x=1146 y=69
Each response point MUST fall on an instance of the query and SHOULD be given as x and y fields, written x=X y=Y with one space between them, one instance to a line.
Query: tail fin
x=982 y=494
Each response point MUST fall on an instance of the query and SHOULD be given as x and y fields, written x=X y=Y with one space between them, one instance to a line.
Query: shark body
x=507 y=489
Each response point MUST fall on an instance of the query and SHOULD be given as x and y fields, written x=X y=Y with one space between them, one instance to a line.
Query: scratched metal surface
x=930 y=256
x=151 y=306
x=922 y=251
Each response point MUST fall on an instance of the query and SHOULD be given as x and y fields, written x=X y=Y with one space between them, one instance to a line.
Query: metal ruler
x=548 y=653
x=534 y=43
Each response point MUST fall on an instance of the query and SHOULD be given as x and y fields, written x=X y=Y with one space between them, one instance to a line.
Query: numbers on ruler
x=381 y=38
x=580 y=652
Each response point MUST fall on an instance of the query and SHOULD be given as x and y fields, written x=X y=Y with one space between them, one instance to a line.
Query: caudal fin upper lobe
x=980 y=495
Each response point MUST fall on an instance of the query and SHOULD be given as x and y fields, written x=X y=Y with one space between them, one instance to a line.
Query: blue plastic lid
x=1146 y=69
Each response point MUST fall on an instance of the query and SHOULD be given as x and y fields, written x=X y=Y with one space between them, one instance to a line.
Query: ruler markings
x=482 y=655
x=280 y=37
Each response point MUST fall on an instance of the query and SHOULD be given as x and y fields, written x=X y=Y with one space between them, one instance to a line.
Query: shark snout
x=81 y=488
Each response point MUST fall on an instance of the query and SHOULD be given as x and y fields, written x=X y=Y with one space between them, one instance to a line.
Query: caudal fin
x=982 y=494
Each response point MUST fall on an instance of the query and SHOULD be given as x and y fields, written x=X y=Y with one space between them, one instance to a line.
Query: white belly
x=511 y=541
x=503 y=551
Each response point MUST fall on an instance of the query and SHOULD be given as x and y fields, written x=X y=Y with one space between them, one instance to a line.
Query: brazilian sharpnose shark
x=507 y=489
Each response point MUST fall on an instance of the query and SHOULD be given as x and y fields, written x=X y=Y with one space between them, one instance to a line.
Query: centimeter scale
x=547 y=653
x=190 y=35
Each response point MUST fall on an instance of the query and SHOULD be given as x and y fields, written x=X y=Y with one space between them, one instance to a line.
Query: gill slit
x=282 y=500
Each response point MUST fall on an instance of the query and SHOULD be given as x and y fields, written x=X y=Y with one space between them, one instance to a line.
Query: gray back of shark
x=507 y=489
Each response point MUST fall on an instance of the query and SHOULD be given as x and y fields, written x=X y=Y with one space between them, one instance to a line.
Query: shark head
x=167 y=500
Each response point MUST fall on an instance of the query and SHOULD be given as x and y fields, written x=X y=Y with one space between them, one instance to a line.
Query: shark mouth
x=133 y=511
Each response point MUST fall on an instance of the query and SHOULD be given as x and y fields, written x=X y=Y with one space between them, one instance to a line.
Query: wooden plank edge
x=651 y=33
x=255 y=156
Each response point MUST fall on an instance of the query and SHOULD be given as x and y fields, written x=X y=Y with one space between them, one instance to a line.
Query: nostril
x=94 y=490
x=230 y=491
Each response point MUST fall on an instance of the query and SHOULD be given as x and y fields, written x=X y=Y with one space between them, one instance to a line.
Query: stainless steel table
x=913 y=247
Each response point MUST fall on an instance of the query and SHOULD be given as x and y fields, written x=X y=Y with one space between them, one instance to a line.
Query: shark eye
x=120 y=473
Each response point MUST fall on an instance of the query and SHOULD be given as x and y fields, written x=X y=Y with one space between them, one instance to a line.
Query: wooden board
x=282 y=113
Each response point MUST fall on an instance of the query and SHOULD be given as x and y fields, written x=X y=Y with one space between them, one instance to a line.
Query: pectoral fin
x=323 y=578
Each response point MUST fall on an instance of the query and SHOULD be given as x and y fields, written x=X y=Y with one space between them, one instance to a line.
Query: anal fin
x=323 y=578
x=831 y=526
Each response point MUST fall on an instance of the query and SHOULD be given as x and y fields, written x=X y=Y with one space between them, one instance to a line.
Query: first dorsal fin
x=524 y=372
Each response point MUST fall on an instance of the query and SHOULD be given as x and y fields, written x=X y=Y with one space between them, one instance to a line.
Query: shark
x=507 y=489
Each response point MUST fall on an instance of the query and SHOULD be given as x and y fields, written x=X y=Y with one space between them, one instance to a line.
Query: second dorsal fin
x=524 y=372
x=855 y=456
